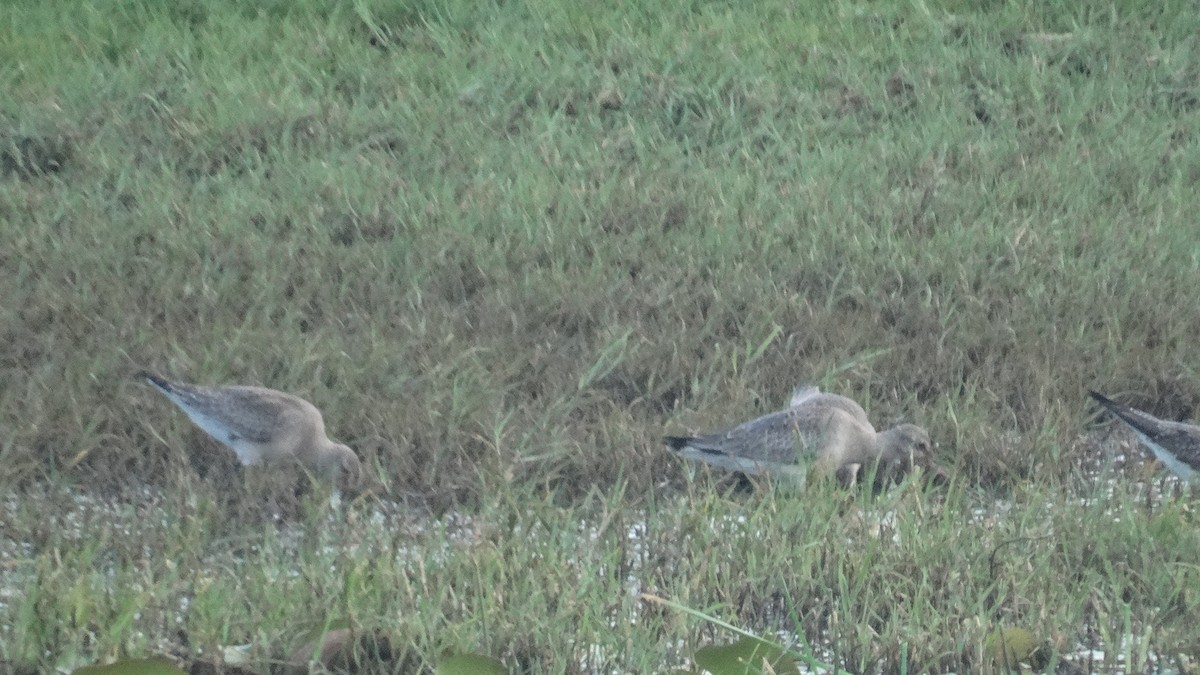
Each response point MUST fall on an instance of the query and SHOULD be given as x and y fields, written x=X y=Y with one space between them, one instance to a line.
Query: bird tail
x=678 y=443
x=1113 y=407
x=157 y=381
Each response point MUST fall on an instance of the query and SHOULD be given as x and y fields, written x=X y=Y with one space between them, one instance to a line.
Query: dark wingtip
x=154 y=379
x=1105 y=401
x=677 y=442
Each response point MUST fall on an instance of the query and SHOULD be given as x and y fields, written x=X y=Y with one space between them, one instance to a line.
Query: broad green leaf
x=747 y=656
x=1007 y=647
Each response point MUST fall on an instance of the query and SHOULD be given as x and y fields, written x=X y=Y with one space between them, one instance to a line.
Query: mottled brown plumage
x=265 y=426
x=826 y=432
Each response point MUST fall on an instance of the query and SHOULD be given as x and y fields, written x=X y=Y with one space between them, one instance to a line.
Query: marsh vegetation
x=504 y=247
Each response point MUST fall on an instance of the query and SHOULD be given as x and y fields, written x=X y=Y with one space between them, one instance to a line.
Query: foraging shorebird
x=265 y=426
x=1174 y=443
x=827 y=431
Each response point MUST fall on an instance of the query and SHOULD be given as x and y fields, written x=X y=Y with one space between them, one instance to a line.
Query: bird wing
x=774 y=438
x=1175 y=443
x=230 y=414
x=253 y=413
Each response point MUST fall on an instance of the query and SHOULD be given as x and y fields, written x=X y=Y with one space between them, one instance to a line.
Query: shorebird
x=265 y=426
x=1174 y=443
x=828 y=432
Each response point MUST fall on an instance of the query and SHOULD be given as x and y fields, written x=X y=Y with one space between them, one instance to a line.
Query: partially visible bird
x=265 y=426
x=1175 y=444
x=821 y=431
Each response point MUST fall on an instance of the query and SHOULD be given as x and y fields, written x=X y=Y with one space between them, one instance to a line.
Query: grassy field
x=506 y=246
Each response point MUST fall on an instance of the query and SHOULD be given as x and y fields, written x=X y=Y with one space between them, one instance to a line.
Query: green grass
x=504 y=247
